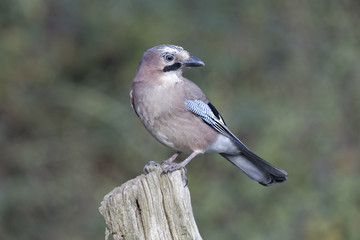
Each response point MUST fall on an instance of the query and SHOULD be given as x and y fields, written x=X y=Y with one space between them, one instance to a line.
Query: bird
x=176 y=112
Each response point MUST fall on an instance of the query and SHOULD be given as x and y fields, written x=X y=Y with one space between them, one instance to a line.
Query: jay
x=178 y=114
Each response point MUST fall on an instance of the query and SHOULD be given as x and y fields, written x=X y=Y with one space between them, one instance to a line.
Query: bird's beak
x=192 y=62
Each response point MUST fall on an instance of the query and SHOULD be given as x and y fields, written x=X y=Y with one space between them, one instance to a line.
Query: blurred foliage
x=285 y=75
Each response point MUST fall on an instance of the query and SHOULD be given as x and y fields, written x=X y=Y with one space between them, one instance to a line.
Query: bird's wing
x=209 y=114
x=250 y=163
x=132 y=102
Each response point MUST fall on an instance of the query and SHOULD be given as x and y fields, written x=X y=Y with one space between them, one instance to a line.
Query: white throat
x=171 y=77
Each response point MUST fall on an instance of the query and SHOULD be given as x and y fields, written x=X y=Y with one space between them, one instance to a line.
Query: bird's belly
x=184 y=133
x=164 y=139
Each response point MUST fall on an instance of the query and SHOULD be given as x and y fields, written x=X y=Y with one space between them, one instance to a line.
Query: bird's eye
x=169 y=58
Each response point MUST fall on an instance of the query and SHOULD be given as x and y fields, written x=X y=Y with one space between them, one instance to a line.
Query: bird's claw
x=174 y=167
x=149 y=165
x=183 y=177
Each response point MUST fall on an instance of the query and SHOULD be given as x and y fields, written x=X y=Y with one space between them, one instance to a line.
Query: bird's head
x=169 y=58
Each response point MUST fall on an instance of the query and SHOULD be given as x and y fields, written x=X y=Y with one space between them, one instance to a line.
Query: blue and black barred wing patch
x=209 y=114
x=205 y=112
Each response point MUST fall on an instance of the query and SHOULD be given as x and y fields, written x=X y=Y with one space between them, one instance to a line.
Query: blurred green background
x=284 y=75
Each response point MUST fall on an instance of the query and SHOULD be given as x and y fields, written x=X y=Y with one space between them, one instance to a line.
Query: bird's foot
x=149 y=165
x=176 y=166
x=173 y=167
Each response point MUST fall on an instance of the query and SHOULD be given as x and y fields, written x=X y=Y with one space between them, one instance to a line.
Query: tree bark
x=151 y=206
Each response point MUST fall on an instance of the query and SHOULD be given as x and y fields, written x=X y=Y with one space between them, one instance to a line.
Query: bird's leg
x=176 y=166
x=171 y=159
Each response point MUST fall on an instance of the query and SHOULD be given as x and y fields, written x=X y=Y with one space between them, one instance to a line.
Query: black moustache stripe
x=173 y=67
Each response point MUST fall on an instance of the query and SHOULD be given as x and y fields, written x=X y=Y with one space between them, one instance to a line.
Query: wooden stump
x=151 y=206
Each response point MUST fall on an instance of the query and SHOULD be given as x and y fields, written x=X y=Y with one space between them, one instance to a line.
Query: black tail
x=257 y=168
